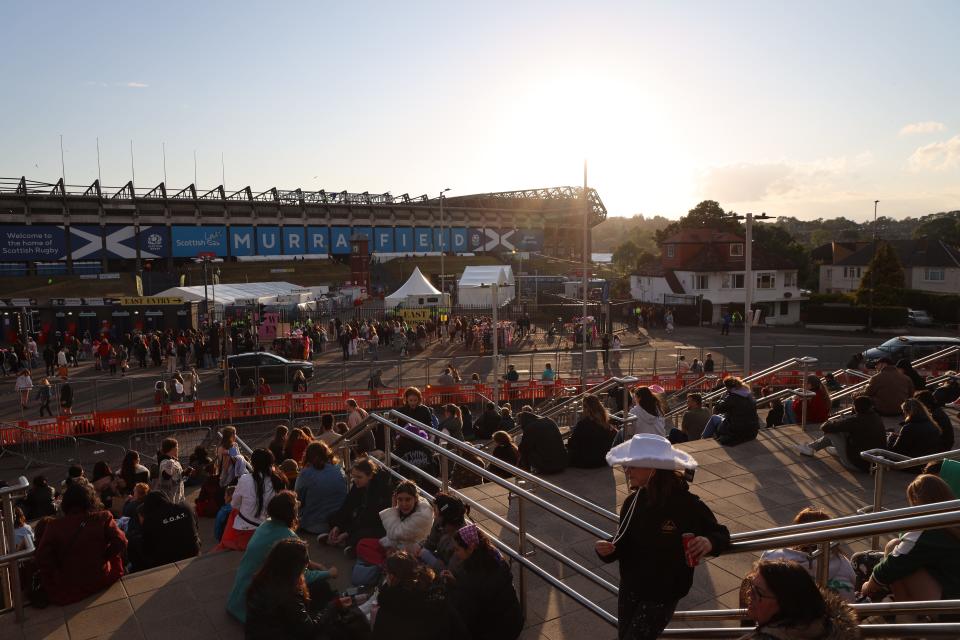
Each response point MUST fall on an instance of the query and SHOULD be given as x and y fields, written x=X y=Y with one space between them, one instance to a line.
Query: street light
x=519 y=255
x=442 y=244
x=748 y=282
x=870 y=310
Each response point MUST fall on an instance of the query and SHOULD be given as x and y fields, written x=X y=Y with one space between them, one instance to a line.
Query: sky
x=811 y=109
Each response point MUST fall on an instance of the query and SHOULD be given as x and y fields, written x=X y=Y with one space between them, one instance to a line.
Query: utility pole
x=496 y=350
x=748 y=293
x=586 y=281
x=869 y=266
x=442 y=247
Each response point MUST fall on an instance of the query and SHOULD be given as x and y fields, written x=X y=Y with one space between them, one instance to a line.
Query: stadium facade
x=48 y=228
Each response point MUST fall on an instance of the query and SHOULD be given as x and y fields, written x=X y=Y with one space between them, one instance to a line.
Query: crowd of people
x=416 y=553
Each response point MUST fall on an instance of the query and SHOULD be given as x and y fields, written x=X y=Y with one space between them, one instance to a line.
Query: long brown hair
x=929 y=489
x=913 y=409
x=283 y=570
x=594 y=409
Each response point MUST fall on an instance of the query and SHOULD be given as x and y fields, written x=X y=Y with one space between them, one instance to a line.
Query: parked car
x=269 y=366
x=911 y=348
x=918 y=318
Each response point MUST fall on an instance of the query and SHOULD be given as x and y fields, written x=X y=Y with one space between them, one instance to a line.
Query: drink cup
x=687 y=539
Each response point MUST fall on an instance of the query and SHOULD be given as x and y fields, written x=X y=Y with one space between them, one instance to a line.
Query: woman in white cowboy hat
x=656 y=567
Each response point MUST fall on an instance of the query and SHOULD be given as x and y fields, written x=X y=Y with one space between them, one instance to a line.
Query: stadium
x=58 y=229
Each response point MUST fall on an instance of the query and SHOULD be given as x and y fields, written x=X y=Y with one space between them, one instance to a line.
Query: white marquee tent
x=474 y=285
x=227 y=294
x=416 y=285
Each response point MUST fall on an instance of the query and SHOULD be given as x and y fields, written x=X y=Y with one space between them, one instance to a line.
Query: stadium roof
x=227 y=294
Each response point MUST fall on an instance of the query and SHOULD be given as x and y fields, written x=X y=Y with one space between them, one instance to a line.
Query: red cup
x=687 y=539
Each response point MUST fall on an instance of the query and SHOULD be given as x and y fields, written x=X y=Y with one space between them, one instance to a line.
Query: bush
x=821 y=298
x=943 y=307
x=840 y=314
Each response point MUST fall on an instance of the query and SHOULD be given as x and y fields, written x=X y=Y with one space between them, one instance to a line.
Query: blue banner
x=268 y=241
x=340 y=240
x=527 y=240
x=154 y=242
x=35 y=242
x=367 y=233
x=423 y=239
x=403 y=239
x=242 y=241
x=86 y=241
x=442 y=244
x=190 y=241
x=383 y=239
x=294 y=241
x=318 y=240
x=459 y=240
x=477 y=240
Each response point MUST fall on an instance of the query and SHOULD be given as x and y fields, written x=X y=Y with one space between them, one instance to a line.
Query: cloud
x=783 y=180
x=936 y=156
x=137 y=85
x=929 y=126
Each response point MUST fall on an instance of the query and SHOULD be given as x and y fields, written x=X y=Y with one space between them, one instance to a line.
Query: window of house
x=701 y=281
x=784 y=308
x=789 y=279
x=736 y=249
x=732 y=281
x=851 y=272
x=766 y=280
x=933 y=275
x=670 y=250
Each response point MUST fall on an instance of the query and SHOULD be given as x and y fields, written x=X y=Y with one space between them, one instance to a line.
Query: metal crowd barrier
x=9 y=556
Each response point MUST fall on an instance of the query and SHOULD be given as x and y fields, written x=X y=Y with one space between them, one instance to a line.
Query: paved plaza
x=752 y=486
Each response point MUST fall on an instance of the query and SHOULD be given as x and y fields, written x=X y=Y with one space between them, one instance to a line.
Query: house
x=928 y=265
x=707 y=263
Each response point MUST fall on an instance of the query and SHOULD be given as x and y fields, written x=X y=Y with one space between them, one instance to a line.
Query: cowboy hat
x=652 y=452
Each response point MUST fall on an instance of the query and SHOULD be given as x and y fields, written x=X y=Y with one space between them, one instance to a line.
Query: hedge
x=840 y=314
x=943 y=307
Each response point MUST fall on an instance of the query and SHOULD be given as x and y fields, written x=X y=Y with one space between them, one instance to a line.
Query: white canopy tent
x=474 y=285
x=222 y=295
x=416 y=285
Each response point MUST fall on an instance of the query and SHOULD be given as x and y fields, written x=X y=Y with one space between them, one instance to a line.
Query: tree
x=886 y=274
x=626 y=255
x=706 y=215
x=775 y=240
x=942 y=226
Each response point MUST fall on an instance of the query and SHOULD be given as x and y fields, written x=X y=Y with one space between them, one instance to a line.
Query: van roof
x=922 y=339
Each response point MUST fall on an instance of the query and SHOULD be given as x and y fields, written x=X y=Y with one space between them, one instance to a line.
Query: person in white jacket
x=647 y=415
x=410 y=519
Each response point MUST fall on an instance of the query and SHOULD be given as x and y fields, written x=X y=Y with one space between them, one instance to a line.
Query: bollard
x=823 y=564
x=877 y=499
x=521 y=549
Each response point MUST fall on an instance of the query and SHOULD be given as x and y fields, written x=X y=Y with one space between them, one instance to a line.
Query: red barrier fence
x=288 y=405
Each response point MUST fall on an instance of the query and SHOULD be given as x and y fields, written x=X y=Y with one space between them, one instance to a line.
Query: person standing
x=656 y=563
x=66 y=397
x=44 y=394
x=23 y=385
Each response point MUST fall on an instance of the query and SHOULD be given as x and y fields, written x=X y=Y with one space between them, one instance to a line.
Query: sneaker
x=832 y=451
x=348 y=552
x=322 y=538
x=805 y=450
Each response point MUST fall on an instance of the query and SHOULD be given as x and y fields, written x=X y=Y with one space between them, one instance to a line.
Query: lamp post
x=586 y=282
x=519 y=255
x=872 y=276
x=748 y=282
x=442 y=244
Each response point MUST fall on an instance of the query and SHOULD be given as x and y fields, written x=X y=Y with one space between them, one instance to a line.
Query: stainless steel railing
x=9 y=556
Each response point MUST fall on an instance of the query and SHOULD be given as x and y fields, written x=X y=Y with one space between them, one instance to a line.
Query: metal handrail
x=848 y=391
x=515 y=471
x=751 y=378
x=834 y=523
x=606 y=385
x=922 y=629
x=520 y=557
x=487 y=475
x=10 y=556
x=848 y=532
x=696 y=383
x=892 y=460
x=862 y=608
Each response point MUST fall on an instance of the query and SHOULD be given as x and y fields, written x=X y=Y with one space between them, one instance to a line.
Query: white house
x=928 y=265
x=709 y=263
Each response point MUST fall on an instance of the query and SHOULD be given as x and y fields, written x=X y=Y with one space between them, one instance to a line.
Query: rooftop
x=920 y=252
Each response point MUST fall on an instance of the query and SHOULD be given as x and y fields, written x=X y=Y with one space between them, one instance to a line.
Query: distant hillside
x=614 y=231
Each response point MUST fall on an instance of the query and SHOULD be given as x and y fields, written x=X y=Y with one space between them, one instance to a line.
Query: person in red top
x=103 y=353
x=818 y=406
x=264 y=388
x=81 y=553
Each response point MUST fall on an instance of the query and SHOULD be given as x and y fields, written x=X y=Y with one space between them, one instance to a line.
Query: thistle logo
x=154 y=242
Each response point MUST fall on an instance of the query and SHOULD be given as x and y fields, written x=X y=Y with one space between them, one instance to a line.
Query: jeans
x=789 y=417
x=839 y=442
x=642 y=619
x=710 y=430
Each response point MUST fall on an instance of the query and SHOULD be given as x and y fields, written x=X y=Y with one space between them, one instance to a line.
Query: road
x=98 y=391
